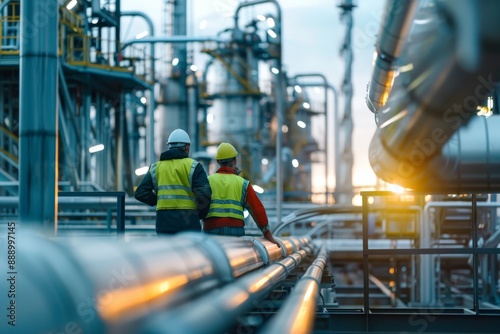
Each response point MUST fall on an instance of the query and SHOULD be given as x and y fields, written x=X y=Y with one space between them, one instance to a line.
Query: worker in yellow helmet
x=178 y=186
x=230 y=195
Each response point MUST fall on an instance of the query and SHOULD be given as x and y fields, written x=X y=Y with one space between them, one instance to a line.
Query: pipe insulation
x=415 y=140
x=297 y=314
x=396 y=24
x=217 y=311
x=106 y=285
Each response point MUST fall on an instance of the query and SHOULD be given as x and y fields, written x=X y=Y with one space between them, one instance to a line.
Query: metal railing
x=120 y=203
x=424 y=249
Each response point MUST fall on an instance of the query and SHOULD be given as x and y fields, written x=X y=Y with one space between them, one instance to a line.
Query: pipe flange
x=260 y=246
x=216 y=253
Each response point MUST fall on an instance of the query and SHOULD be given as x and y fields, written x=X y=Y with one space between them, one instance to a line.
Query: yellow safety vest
x=172 y=181
x=229 y=194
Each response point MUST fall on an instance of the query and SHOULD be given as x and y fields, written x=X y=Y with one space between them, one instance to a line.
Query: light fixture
x=284 y=129
x=258 y=189
x=143 y=100
x=271 y=33
x=210 y=118
x=96 y=148
x=295 y=163
x=141 y=35
x=306 y=105
x=298 y=89
x=175 y=61
x=270 y=22
x=141 y=171
x=71 y=4
x=261 y=17
x=95 y=21
x=265 y=161
x=301 y=124
x=275 y=70
x=193 y=68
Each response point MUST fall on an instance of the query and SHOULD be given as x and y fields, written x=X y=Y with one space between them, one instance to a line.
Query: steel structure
x=402 y=263
x=343 y=171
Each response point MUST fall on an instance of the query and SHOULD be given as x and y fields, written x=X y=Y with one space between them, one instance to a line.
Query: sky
x=312 y=37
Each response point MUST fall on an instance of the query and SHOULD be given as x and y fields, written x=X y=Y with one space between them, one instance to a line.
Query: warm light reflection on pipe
x=259 y=284
x=114 y=304
x=236 y=300
x=305 y=316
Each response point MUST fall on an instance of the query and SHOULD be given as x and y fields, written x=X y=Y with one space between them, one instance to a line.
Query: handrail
x=120 y=203
x=306 y=213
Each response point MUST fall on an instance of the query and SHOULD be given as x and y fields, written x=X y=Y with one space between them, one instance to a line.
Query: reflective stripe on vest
x=172 y=180
x=229 y=194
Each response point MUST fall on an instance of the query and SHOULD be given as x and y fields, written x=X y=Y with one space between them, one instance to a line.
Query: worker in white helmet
x=178 y=186
x=230 y=195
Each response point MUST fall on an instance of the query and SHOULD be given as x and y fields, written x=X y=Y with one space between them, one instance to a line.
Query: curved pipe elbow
x=468 y=162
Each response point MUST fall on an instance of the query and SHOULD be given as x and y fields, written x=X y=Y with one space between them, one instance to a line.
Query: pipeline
x=217 y=311
x=113 y=285
x=297 y=314
x=427 y=114
x=391 y=39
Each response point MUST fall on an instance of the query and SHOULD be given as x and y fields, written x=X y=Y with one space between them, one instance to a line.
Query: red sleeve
x=255 y=208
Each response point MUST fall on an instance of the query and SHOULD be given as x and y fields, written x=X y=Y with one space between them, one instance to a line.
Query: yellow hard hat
x=225 y=151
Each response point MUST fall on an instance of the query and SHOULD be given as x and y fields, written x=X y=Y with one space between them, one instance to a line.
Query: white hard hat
x=178 y=136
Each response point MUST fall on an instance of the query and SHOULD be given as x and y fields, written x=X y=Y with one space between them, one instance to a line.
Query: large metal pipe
x=470 y=160
x=437 y=98
x=76 y=202
x=217 y=311
x=308 y=213
x=113 y=285
x=151 y=157
x=297 y=314
x=398 y=16
x=38 y=161
x=4 y=4
x=172 y=39
x=343 y=187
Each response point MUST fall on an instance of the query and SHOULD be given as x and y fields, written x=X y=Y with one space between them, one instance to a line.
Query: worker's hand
x=270 y=238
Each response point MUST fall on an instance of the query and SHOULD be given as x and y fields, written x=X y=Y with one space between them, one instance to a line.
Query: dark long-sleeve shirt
x=177 y=220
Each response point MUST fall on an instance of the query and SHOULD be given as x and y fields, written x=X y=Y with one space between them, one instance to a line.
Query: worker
x=230 y=195
x=178 y=186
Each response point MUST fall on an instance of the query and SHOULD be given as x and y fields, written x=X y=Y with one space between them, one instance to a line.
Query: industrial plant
x=89 y=111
